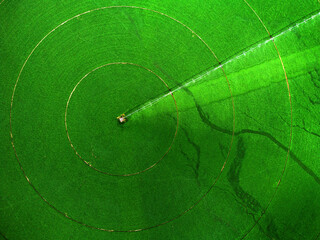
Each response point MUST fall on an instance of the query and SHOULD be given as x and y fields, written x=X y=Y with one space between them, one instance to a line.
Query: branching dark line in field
x=315 y=77
x=242 y=202
x=306 y=130
x=213 y=126
x=196 y=163
x=1 y=234
x=197 y=160
x=247 y=200
x=206 y=120
x=189 y=160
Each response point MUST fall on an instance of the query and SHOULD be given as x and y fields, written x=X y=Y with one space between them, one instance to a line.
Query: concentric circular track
x=101 y=228
x=127 y=174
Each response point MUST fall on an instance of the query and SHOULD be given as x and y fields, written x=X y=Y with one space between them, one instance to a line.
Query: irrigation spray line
x=197 y=78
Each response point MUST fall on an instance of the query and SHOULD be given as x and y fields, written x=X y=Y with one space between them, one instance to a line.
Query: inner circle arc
x=132 y=230
x=128 y=174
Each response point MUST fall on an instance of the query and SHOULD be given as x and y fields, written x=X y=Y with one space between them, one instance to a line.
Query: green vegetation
x=232 y=153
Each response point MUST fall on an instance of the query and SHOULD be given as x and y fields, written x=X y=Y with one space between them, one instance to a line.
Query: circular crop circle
x=194 y=203
x=113 y=118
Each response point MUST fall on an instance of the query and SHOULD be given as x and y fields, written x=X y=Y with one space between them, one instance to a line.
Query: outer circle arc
x=65 y=214
x=291 y=121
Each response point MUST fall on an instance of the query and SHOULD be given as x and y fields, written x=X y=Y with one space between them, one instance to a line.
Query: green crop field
x=221 y=103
